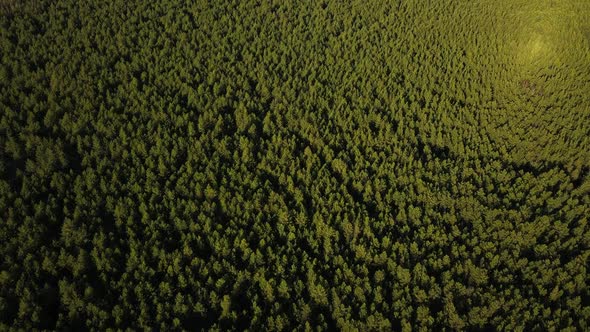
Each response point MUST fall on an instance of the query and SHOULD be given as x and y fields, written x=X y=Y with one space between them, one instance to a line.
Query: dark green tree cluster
x=312 y=165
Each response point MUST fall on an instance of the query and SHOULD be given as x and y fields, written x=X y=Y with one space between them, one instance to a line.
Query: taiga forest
x=295 y=165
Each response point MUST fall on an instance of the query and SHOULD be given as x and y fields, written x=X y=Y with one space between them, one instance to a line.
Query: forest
x=278 y=165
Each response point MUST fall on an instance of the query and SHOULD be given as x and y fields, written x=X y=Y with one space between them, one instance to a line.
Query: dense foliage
x=278 y=164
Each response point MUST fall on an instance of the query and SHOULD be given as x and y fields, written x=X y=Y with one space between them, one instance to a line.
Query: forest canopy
x=287 y=165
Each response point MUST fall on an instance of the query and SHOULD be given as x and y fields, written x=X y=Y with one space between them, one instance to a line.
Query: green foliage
x=280 y=165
